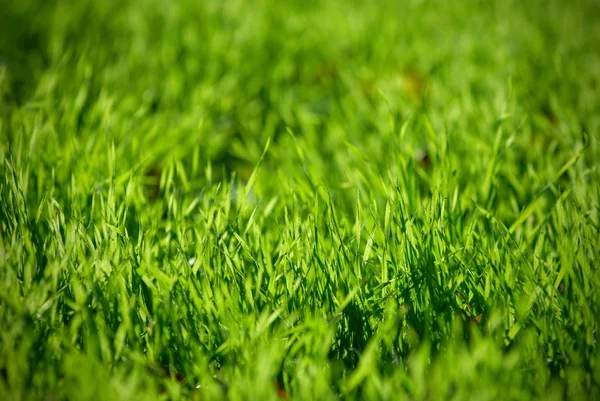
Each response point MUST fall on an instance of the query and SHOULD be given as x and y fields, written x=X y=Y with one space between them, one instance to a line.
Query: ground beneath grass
x=316 y=200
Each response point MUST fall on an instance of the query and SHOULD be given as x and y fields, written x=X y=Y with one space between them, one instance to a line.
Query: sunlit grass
x=311 y=200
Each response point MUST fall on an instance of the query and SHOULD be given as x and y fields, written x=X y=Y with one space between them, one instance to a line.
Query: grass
x=304 y=200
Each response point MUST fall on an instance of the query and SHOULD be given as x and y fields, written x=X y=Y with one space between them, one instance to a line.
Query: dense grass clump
x=332 y=200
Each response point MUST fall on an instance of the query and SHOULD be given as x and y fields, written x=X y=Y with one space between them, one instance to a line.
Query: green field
x=301 y=200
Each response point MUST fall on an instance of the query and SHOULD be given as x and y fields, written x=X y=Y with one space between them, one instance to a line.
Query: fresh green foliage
x=333 y=200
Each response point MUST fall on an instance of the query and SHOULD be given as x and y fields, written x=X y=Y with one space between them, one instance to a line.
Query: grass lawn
x=302 y=200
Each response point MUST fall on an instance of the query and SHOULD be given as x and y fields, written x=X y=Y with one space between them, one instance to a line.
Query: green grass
x=384 y=200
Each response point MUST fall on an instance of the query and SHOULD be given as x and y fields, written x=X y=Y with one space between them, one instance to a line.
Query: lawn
x=301 y=200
